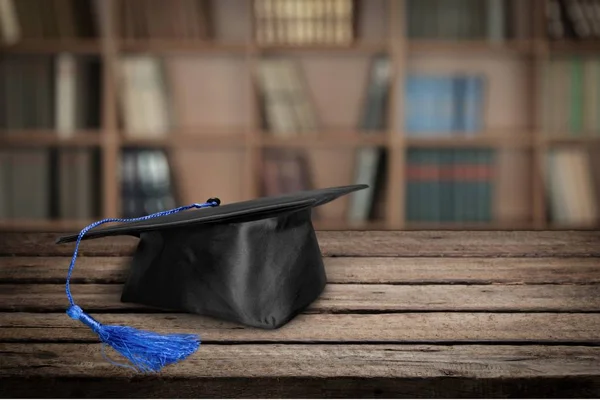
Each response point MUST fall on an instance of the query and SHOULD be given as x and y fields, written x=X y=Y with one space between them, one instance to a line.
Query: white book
x=280 y=116
x=65 y=95
x=587 y=212
x=129 y=105
x=301 y=106
x=152 y=97
x=9 y=23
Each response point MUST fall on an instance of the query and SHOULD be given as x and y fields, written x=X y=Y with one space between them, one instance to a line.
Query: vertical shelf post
x=110 y=139
x=252 y=140
x=395 y=143
x=539 y=59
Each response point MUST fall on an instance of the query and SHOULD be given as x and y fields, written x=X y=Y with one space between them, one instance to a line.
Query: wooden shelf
x=568 y=139
x=49 y=138
x=574 y=47
x=181 y=46
x=324 y=225
x=353 y=48
x=383 y=32
x=481 y=140
x=43 y=225
x=470 y=46
x=53 y=46
x=178 y=140
x=326 y=139
x=494 y=225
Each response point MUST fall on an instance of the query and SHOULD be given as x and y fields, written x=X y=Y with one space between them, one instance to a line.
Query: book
x=144 y=97
x=368 y=160
x=443 y=105
x=296 y=22
x=571 y=187
x=9 y=23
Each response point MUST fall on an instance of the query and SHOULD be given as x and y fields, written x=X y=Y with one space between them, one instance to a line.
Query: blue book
x=421 y=105
x=411 y=105
x=473 y=104
x=458 y=96
x=444 y=98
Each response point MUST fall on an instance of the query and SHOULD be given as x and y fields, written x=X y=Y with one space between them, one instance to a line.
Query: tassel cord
x=210 y=203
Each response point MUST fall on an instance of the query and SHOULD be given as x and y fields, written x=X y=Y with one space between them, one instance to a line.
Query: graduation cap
x=254 y=262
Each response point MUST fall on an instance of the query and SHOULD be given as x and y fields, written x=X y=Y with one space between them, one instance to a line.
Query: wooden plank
x=364 y=328
x=316 y=361
x=361 y=244
x=302 y=387
x=343 y=298
x=340 y=270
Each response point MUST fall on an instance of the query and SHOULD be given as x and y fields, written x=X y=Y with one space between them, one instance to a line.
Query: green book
x=576 y=97
x=411 y=186
x=446 y=186
x=459 y=194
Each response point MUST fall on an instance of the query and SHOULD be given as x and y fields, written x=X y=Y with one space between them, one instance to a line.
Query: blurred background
x=459 y=114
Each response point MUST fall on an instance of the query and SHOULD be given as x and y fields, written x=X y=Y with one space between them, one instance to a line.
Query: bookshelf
x=227 y=147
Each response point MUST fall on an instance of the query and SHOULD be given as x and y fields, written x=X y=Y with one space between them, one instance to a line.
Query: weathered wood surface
x=342 y=298
x=359 y=244
x=363 y=270
x=318 y=361
x=405 y=314
x=452 y=327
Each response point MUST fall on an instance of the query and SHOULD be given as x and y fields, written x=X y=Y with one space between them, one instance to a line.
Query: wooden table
x=420 y=314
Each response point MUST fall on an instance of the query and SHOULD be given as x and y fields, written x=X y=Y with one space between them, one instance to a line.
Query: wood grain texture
x=317 y=361
x=302 y=387
x=342 y=298
x=411 y=270
x=360 y=244
x=336 y=328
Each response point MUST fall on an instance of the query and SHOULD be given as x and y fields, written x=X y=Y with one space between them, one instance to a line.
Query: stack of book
x=42 y=184
x=449 y=185
x=50 y=92
x=573 y=185
x=146 y=182
x=54 y=94
x=493 y=20
x=173 y=19
x=145 y=111
x=47 y=19
x=297 y=22
x=288 y=112
x=571 y=97
x=573 y=19
x=443 y=105
x=371 y=162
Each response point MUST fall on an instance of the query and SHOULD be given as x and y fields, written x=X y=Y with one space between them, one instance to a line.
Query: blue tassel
x=147 y=351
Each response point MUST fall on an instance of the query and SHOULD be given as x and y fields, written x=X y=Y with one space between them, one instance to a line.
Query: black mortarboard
x=255 y=262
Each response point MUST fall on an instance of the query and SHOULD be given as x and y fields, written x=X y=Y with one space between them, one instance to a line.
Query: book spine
x=576 y=97
x=5 y=184
x=446 y=198
x=65 y=95
x=412 y=182
x=473 y=104
x=9 y=23
x=496 y=27
x=590 y=102
x=460 y=197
